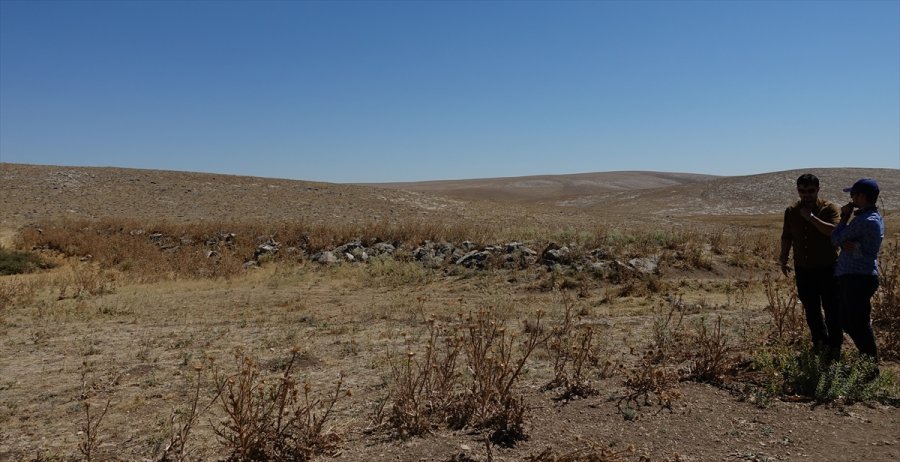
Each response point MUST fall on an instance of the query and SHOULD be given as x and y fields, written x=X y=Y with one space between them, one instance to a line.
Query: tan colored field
x=137 y=312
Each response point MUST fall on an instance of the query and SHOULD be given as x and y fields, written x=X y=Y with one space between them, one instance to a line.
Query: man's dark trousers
x=817 y=290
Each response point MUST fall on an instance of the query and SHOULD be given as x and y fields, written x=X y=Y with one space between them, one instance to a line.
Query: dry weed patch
x=432 y=391
x=473 y=374
x=273 y=419
x=886 y=303
x=573 y=353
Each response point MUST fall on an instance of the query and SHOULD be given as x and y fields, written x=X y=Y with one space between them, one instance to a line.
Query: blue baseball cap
x=866 y=186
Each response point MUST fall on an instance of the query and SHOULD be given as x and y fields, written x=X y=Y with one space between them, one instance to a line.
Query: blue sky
x=402 y=91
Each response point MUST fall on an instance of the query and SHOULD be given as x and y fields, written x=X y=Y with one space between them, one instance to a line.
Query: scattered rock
x=554 y=255
x=383 y=248
x=324 y=257
x=474 y=258
x=647 y=265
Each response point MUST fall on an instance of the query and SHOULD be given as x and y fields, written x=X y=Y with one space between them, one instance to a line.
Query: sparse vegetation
x=17 y=262
x=886 y=303
x=273 y=419
x=482 y=351
x=431 y=391
x=807 y=373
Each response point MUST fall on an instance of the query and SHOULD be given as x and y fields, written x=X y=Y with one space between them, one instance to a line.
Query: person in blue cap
x=857 y=264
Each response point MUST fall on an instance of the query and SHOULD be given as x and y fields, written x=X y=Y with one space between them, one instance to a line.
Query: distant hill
x=34 y=192
x=753 y=194
x=549 y=188
x=30 y=193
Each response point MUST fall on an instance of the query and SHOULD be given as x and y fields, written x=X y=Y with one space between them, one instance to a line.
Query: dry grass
x=432 y=391
x=886 y=303
x=475 y=344
x=276 y=419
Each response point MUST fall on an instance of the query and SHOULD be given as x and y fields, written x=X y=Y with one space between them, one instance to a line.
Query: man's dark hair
x=808 y=179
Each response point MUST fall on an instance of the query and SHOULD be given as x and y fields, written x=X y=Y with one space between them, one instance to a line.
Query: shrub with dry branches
x=711 y=356
x=175 y=449
x=17 y=291
x=650 y=378
x=886 y=302
x=90 y=427
x=423 y=388
x=788 y=326
x=273 y=419
x=431 y=392
x=495 y=359
x=572 y=353
x=668 y=330
x=591 y=452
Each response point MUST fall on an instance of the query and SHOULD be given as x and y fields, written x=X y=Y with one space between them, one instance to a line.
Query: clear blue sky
x=401 y=91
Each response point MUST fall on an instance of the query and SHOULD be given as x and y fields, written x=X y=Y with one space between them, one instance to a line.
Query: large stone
x=474 y=258
x=648 y=265
x=325 y=257
x=556 y=255
x=384 y=248
x=348 y=247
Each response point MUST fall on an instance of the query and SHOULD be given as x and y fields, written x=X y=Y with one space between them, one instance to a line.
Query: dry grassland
x=140 y=345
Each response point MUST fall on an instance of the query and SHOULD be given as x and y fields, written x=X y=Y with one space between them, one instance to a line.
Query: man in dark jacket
x=808 y=224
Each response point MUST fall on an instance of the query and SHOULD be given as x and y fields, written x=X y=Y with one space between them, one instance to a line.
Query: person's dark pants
x=817 y=290
x=856 y=292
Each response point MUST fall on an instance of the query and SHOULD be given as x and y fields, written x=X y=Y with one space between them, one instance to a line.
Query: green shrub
x=808 y=373
x=15 y=262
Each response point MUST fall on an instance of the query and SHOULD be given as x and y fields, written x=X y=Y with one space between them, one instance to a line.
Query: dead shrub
x=590 y=453
x=431 y=392
x=711 y=357
x=669 y=336
x=273 y=419
x=183 y=422
x=572 y=353
x=650 y=379
x=90 y=426
x=424 y=388
x=886 y=302
x=17 y=291
x=788 y=325
x=495 y=359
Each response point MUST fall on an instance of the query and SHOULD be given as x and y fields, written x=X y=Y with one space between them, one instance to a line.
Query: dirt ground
x=144 y=346
x=137 y=347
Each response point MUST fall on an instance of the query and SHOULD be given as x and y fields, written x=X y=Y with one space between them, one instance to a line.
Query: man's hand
x=785 y=269
x=849 y=246
x=806 y=213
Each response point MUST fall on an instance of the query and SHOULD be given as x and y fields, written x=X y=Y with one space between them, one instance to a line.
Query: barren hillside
x=765 y=193
x=550 y=188
x=30 y=193
x=33 y=192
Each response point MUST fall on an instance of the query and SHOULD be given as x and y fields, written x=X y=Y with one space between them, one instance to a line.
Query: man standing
x=807 y=228
x=857 y=267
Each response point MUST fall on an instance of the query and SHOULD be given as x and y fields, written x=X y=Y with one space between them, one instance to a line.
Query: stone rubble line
x=436 y=255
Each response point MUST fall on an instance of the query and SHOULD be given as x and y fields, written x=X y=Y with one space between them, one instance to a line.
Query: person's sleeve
x=843 y=232
x=785 y=229
x=860 y=231
x=830 y=214
x=840 y=234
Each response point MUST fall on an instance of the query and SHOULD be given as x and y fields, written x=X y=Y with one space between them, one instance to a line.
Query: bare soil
x=137 y=346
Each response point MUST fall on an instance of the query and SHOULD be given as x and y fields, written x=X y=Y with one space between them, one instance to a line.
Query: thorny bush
x=430 y=392
x=573 y=354
x=886 y=303
x=273 y=419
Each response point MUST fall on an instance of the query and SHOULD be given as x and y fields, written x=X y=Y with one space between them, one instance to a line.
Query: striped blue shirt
x=867 y=231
